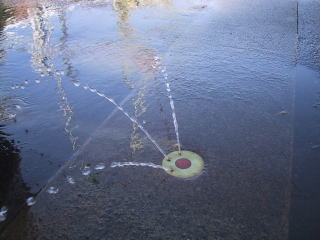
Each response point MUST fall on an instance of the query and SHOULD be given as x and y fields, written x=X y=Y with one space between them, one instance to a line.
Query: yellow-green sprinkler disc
x=184 y=164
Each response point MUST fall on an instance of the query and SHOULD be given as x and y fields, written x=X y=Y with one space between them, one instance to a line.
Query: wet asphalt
x=244 y=77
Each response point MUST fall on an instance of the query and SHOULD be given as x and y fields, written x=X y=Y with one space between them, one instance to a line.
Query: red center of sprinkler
x=183 y=163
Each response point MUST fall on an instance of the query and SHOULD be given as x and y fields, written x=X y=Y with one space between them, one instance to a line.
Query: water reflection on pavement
x=91 y=98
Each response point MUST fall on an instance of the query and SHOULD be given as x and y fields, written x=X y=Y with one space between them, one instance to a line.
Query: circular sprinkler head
x=184 y=164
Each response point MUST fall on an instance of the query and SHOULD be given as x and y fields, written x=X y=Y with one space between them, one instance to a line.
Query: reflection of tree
x=43 y=62
x=13 y=191
x=3 y=18
x=64 y=104
x=4 y=112
x=41 y=38
x=142 y=57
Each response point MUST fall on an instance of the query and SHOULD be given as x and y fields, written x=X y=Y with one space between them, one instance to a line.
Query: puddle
x=105 y=99
x=305 y=195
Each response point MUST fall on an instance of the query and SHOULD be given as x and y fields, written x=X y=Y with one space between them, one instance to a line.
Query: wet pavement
x=304 y=217
x=238 y=85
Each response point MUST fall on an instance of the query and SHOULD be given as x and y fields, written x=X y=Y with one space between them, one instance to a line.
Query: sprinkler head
x=183 y=164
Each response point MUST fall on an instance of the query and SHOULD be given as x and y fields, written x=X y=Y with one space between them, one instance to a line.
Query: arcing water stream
x=174 y=117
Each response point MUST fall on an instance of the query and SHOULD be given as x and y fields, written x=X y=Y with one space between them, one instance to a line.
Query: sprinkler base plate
x=184 y=164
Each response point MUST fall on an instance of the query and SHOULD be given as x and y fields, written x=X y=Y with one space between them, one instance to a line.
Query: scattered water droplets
x=93 y=90
x=53 y=190
x=3 y=213
x=283 y=112
x=100 y=94
x=100 y=166
x=77 y=84
x=70 y=180
x=30 y=201
x=86 y=171
x=11 y=116
x=37 y=81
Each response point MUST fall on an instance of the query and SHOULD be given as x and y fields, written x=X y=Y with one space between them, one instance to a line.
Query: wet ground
x=244 y=77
